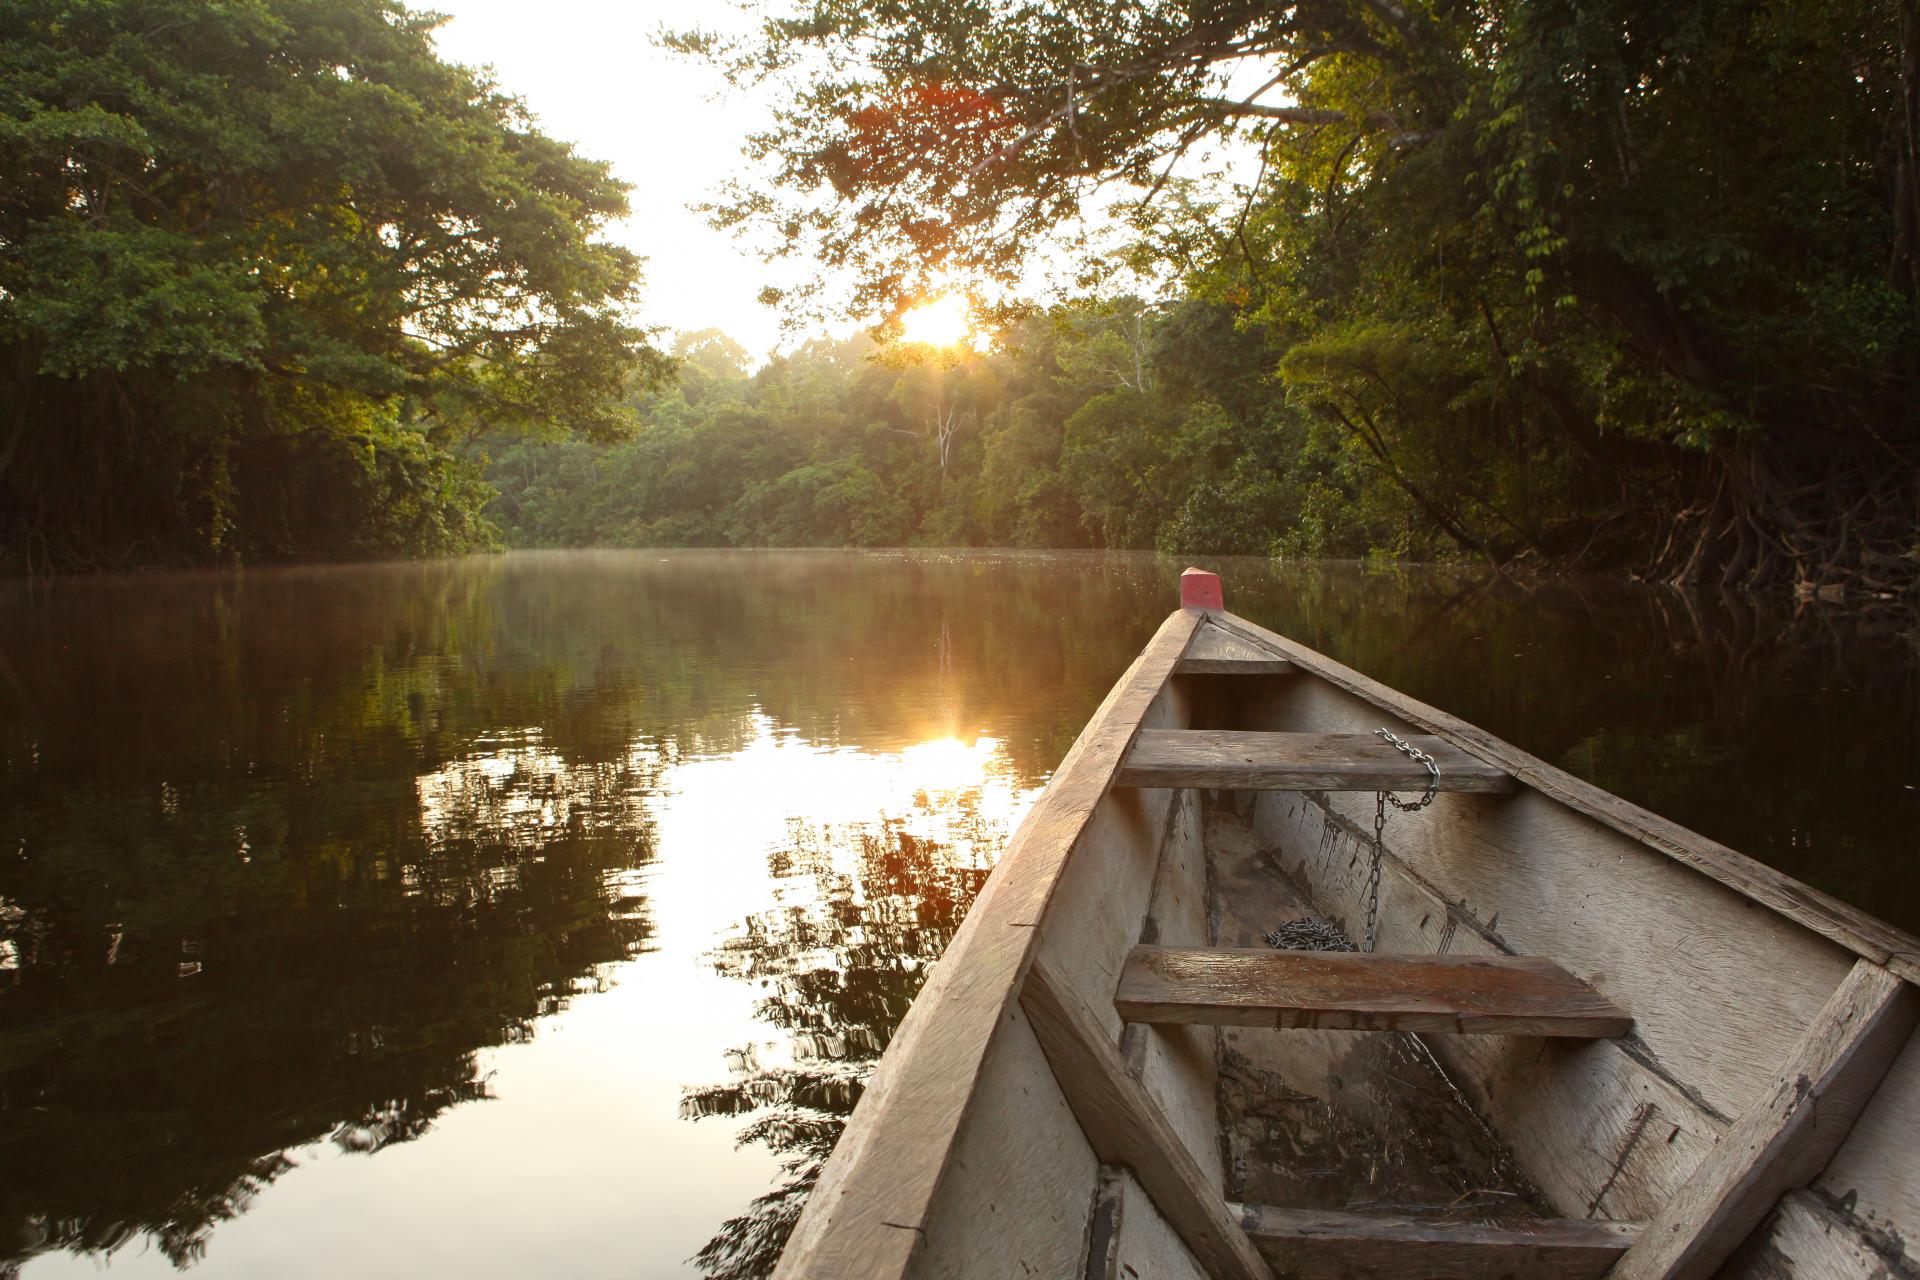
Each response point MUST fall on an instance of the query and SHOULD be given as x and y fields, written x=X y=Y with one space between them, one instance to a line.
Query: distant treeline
x=1101 y=425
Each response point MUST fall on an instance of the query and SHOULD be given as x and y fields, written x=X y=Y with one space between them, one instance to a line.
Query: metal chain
x=1314 y=935
x=1373 y=871
x=1381 y=799
x=1433 y=772
x=1306 y=934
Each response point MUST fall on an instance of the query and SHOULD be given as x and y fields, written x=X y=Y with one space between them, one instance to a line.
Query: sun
x=938 y=322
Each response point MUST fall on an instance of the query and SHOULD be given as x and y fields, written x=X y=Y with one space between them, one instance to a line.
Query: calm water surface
x=542 y=913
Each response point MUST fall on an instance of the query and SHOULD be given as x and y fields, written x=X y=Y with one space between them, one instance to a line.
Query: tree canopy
x=1620 y=279
x=265 y=265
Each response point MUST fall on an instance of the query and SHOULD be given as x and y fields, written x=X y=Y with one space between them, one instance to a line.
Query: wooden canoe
x=1587 y=1042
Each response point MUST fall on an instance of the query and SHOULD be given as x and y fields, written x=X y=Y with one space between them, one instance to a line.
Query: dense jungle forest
x=1611 y=284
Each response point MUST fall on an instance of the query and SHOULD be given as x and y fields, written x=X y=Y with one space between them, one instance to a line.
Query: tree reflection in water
x=840 y=968
x=212 y=973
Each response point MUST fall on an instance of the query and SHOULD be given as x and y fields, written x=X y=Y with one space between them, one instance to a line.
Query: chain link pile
x=1307 y=934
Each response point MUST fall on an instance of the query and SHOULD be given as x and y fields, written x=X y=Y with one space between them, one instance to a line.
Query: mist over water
x=545 y=911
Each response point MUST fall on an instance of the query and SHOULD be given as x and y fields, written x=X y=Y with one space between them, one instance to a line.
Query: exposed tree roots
x=1835 y=522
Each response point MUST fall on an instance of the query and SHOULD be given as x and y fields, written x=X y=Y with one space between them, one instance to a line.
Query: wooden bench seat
x=1343 y=991
x=1228 y=760
x=1320 y=1244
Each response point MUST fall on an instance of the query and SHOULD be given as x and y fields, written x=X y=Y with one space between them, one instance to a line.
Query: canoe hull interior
x=987 y=1145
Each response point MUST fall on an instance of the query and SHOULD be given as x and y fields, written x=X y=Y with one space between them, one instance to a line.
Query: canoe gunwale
x=1862 y=934
x=868 y=1214
x=1868 y=1169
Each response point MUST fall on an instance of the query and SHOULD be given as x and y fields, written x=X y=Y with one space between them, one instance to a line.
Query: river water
x=541 y=913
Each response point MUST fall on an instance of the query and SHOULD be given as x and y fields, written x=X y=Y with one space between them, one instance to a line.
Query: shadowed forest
x=1622 y=285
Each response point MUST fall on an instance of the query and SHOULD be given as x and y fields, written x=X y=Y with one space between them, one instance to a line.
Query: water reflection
x=861 y=912
x=204 y=974
x=648 y=855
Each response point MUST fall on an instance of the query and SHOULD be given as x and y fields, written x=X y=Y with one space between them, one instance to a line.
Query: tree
x=1094 y=424
x=942 y=389
x=1645 y=276
x=710 y=356
x=274 y=256
x=938 y=135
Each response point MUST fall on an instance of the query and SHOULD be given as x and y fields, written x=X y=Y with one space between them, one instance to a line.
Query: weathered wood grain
x=1848 y=926
x=1319 y=1244
x=1013 y=1200
x=876 y=1204
x=1238 y=760
x=1601 y=1126
x=1714 y=981
x=1217 y=652
x=1178 y=1064
x=1331 y=991
x=1100 y=901
x=1876 y=1172
x=1712 y=978
x=1129 y=1239
x=1808 y=1239
x=1784 y=1140
x=1339 y=1120
x=1126 y=1127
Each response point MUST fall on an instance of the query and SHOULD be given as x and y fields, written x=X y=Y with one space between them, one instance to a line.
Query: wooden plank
x=1129 y=1239
x=1221 y=653
x=1717 y=983
x=1711 y=977
x=1715 y=955
x=1319 y=1244
x=1846 y=925
x=1019 y=1145
x=1785 y=1139
x=1125 y=1127
x=1099 y=902
x=1607 y=1127
x=879 y=1198
x=1325 y=1119
x=1331 y=991
x=1177 y=1064
x=1231 y=760
x=1809 y=1239
x=1876 y=1173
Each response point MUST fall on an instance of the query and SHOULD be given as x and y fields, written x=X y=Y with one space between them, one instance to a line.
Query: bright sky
x=668 y=124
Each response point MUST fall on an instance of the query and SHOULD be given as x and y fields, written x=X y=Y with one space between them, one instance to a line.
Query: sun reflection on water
x=868 y=863
x=823 y=879
x=740 y=929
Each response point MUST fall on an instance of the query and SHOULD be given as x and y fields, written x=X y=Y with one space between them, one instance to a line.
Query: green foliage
x=264 y=266
x=1541 y=277
x=1101 y=424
